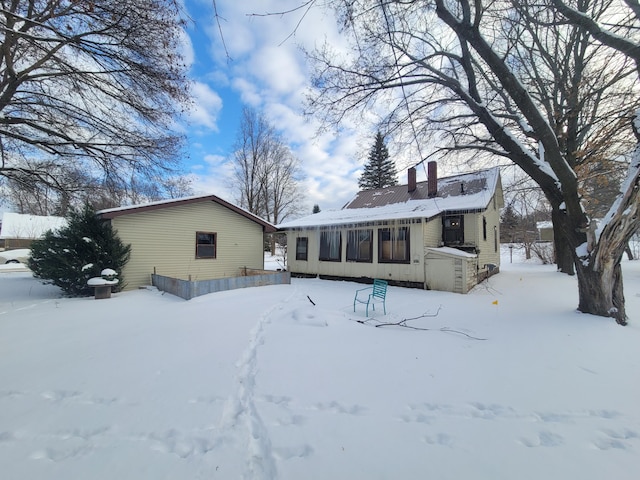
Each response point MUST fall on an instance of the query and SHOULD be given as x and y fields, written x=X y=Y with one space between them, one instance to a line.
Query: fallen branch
x=403 y=323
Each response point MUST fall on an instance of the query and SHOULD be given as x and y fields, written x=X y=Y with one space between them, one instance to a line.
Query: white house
x=19 y=230
x=441 y=234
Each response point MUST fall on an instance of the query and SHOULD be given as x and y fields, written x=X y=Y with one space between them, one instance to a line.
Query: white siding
x=164 y=240
x=401 y=272
x=433 y=232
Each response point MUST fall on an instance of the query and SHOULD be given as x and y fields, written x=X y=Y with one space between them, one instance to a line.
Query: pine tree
x=509 y=222
x=380 y=171
x=316 y=208
x=70 y=256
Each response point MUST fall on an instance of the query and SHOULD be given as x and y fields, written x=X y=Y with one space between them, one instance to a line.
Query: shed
x=545 y=231
x=194 y=238
x=450 y=269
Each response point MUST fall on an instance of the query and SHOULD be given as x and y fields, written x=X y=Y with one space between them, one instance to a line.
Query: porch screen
x=301 y=248
x=359 y=245
x=330 y=245
x=393 y=245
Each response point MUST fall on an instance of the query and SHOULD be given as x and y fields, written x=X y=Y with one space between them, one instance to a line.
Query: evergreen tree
x=380 y=171
x=509 y=222
x=70 y=256
x=316 y=208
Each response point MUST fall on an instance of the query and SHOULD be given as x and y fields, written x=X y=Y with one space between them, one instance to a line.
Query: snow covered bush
x=70 y=256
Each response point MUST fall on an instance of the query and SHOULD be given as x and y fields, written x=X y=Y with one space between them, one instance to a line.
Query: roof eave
x=110 y=214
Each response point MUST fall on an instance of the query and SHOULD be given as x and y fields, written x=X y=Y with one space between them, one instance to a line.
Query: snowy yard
x=261 y=384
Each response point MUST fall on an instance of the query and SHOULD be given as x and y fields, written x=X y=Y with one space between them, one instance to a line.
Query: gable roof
x=110 y=213
x=465 y=192
x=22 y=226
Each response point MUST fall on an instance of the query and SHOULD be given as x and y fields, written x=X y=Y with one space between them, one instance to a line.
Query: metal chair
x=377 y=291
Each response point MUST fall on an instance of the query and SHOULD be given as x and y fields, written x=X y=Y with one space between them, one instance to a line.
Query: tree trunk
x=601 y=292
x=563 y=251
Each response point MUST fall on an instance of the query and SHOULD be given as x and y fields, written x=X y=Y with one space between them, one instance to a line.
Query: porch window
x=330 y=245
x=360 y=246
x=393 y=245
x=453 y=229
x=302 y=244
x=205 y=245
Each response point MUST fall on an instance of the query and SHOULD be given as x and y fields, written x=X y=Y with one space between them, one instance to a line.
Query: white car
x=20 y=255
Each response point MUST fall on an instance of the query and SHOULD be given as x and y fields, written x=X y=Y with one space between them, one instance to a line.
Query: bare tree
x=491 y=82
x=92 y=84
x=266 y=174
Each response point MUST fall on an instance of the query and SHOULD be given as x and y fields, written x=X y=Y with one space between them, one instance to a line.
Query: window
x=453 y=230
x=360 y=245
x=330 y=246
x=301 y=248
x=205 y=245
x=393 y=245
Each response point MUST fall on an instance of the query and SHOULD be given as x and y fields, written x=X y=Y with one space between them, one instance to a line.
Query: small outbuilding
x=195 y=238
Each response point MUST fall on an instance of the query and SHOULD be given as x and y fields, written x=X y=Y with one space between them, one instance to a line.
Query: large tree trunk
x=601 y=292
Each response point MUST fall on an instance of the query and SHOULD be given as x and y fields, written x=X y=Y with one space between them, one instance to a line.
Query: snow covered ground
x=262 y=384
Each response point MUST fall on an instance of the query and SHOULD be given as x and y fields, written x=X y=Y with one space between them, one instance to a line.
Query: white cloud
x=206 y=108
x=269 y=73
x=186 y=49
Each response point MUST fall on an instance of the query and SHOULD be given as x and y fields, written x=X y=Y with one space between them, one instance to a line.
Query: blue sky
x=272 y=77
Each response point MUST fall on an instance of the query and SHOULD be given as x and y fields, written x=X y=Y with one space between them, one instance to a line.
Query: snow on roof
x=118 y=211
x=410 y=209
x=545 y=224
x=452 y=251
x=17 y=225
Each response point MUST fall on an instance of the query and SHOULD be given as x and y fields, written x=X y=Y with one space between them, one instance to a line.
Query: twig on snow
x=403 y=323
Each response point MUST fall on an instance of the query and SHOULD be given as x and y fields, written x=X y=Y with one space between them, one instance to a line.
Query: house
x=18 y=230
x=195 y=238
x=441 y=234
x=545 y=231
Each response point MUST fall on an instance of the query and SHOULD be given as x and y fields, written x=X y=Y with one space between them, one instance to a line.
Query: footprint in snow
x=544 y=439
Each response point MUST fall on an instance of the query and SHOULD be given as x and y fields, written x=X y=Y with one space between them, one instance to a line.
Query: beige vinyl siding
x=165 y=239
x=433 y=232
x=487 y=251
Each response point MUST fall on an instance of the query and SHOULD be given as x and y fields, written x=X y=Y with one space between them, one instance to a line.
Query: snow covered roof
x=465 y=192
x=119 y=211
x=18 y=225
x=544 y=224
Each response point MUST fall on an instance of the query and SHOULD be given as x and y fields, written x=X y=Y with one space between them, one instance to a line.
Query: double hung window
x=205 y=245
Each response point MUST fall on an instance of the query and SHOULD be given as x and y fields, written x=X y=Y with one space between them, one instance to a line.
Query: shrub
x=70 y=256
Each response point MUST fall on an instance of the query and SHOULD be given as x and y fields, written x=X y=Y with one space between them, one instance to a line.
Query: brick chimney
x=432 y=179
x=411 y=178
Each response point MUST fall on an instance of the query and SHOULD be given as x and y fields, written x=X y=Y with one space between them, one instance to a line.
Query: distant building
x=19 y=230
x=545 y=231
